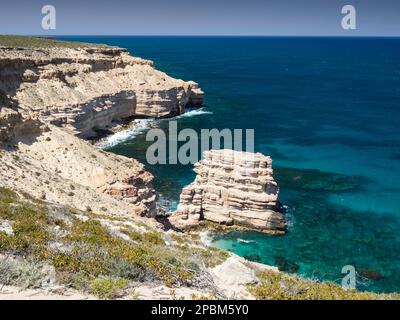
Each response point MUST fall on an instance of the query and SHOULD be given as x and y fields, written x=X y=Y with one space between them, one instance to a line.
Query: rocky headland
x=232 y=188
x=51 y=96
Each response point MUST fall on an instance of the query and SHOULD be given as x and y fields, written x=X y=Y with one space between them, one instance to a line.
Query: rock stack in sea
x=232 y=188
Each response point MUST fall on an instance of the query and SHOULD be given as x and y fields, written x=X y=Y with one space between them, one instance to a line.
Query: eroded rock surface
x=89 y=88
x=48 y=96
x=232 y=187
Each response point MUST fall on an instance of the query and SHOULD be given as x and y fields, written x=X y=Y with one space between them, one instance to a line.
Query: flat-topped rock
x=232 y=188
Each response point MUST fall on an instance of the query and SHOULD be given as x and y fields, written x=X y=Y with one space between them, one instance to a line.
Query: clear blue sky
x=201 y=17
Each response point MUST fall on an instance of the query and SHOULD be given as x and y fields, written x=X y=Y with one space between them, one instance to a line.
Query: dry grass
x=40 y=42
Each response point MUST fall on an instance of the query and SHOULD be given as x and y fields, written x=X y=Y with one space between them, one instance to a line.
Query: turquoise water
x=327 y=104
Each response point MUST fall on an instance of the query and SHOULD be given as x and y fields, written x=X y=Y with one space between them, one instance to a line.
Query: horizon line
x=206 y=35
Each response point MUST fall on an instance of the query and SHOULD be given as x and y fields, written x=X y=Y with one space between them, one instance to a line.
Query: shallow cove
x=325 y=104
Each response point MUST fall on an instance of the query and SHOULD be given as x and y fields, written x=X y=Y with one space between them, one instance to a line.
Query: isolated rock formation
x=48 y=96
x=232 y=187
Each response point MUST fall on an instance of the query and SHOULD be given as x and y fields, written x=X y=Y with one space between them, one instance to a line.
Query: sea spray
x=193 y=113
x=206 y=238
x=139 y=126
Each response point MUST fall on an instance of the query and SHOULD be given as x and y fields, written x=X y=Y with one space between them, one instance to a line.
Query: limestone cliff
x=88 y=88
x=48 y=96
x=232 y=187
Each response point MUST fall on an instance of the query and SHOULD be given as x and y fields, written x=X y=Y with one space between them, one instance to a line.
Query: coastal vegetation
x=88 y=257
x=40 y=42
x=283 y=286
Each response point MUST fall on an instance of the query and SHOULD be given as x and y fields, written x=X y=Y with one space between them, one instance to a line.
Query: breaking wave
x=193 y=113
x=244 y=241
x=137 y=127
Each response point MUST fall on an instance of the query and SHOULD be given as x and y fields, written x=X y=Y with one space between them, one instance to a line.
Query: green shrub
x=90 y=231
x=151 y=237
x=123 y=269
x=179 y=239
x=108 y=287
x=282 y=286
x=135 y=235
x=22 y=273
x=6 y=241
x=29 y=226
x=7 y=195
x=8 y=271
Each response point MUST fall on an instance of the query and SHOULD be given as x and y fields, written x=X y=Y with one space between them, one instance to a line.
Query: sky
x=202 y=17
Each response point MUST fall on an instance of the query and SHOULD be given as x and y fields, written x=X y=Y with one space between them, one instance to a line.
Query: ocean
x=327 y=111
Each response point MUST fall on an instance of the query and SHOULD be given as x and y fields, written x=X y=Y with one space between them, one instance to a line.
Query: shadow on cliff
x=14 y=128
x=167 y=225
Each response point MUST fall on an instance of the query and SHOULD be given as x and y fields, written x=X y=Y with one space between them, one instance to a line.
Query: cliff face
x=50 y=95
x=88 y=88
x=232 y=188
x=56 y=166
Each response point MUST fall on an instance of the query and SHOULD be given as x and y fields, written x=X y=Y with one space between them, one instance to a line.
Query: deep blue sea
x=327 y=110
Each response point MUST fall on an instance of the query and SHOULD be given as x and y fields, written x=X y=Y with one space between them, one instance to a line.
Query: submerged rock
x=285 y=265
x=230 y=188
x=371 y=274
x=253 y=257
x=310 y=179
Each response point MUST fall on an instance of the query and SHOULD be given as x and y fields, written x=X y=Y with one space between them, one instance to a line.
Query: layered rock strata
x=48 y=96
x=89 y=88
x=230 y=188
x=58 y=167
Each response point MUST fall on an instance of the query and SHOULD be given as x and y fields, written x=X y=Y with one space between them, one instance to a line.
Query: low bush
x=23 y=273
x=282 y=286
x=151 y=237
x=7 y=195
x=108 y=287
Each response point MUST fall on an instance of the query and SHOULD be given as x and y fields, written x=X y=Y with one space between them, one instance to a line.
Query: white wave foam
x=138 y=126
x=193 y=113
x=244 y=241
x=141 y=125
x=206 y=238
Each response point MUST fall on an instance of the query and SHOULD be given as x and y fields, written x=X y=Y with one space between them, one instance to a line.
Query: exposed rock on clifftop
x=232 y=187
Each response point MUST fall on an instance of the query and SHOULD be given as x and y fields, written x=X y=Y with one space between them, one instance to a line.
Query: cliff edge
x=87 y=88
